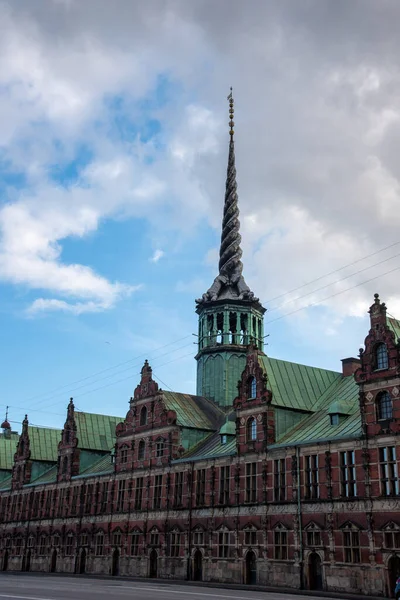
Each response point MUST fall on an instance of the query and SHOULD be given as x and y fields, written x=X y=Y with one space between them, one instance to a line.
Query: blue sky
x=113 y=150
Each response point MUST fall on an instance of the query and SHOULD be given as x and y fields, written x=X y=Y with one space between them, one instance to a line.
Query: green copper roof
x=317 y=426
x=340 y=407
x=44 y=443
x=49 y=476
x=96 y=432
x=8 y=447
x=5 y=484
x=211 y=447
x=228 y=428
x=194 y=411
x=297 y=386
x=394 y=325
x=103 y=465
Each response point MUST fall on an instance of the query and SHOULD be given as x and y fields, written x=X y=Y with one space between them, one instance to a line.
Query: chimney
x=350 y=366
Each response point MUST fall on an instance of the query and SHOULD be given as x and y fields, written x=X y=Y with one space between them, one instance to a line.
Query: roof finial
x=6 y=413
x=231 y=113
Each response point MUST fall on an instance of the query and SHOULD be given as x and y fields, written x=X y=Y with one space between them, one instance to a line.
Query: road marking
x=163 y=589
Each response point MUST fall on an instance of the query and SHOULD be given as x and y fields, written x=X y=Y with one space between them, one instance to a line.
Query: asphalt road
x=64 y=588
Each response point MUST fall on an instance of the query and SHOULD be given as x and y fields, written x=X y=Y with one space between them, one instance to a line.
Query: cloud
x=156 y=256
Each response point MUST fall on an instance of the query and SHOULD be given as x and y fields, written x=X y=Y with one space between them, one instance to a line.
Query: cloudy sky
x=113 y=151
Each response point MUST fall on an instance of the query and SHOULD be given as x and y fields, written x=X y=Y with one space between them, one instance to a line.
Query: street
x=34 y=587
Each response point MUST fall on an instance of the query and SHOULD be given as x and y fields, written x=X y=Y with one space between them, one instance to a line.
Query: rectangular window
x=250 y=538
x=99 y=544
x=83 y=539
x=88 y=498
x=351 y=544
x=135 y=544
x=117 y=538
x=154 y=538
x=178 y=489
x=280 y=545
x=313 y=538
x=139 y=493
x=18 y=546
x=224 y=544
x=124 y=455
x=74 y=503
x=348 y=474
x=279 y=480
x=224 y=484
x=121 y=495
x=157 y=492
x=42 y=545
x=311 y=476
x=68 y=545
x=175 y=544
x=389 y=471
x=198 y=538
x=251 y=482
x=200 y=487
x=392 y=539
x=104 y=497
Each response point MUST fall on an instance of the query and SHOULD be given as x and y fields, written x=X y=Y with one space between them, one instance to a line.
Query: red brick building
x=287 y=478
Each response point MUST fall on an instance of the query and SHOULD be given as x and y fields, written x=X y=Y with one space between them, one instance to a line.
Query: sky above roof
x=113 y=152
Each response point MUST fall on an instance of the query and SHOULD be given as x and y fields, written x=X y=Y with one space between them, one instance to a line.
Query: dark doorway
x=251 y=568
x=115 y=562
x=394 y=573
x=82 y=562
x=198 y=566
x=5 y=561
x=314 y=572
x=27 y=566
x=153 y=564
x=53 y=564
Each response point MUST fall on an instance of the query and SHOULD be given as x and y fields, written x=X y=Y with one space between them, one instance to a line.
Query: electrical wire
x=108 y=369
x=331 y=272
x=333 y=283
x=332 y=296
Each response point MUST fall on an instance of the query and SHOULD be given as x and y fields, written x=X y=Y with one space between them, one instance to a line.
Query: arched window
x=21 y=447
x=252 y=387
x=381 y=357
x=160 y=448
x=67 y=436
x=99 y=547
x=251 y=429
x=141 y=450
x=65 y=465
x=384 y=406
x=143 y=416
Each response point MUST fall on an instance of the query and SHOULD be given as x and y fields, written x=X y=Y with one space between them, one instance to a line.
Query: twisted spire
x=230 y=251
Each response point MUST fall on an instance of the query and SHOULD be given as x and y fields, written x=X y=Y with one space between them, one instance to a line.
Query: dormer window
x=384 y=406
x=335 y=419
x=224 y=438
x=143 y=416
x=381 y=357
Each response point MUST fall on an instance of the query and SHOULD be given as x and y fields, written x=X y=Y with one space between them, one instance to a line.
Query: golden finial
x=231 y=112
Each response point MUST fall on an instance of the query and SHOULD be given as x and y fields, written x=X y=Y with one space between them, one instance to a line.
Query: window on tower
x=381 y=357
x=251 y=430
x=252 y=387
x=143 y=416
x=384 y=406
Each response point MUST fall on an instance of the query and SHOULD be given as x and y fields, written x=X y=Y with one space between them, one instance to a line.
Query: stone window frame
x=251 y=483
x=174 y=542
x=388 y=471
x=160 y=447
x=311 y=477
x=99 y=543
x=117 y=537
x=250 y=535
x=123 y=454
x=224 y=484
x=384 y=406
x=281 y=542
x=198 y=536
x=348 y=474
x=134 y=546
x=391 y=531
x=279 y=479
x=251 y=429
x=139 y=488
x=142 y=450
x=143 y=416
x=157 y=495
x=154 y=536
x=225 y=541
x=69 y=544
x=313 y=535
x=201 y=478
x=381 y=357
x=251 y=387
x=42 y=546
x=351 y=544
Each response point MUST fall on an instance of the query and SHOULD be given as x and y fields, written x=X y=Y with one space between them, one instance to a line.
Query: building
x=275 y=473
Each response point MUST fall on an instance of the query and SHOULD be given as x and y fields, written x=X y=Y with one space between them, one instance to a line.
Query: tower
x=230 y=316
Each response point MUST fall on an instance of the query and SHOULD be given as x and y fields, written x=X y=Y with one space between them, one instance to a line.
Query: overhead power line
x=331 y=273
